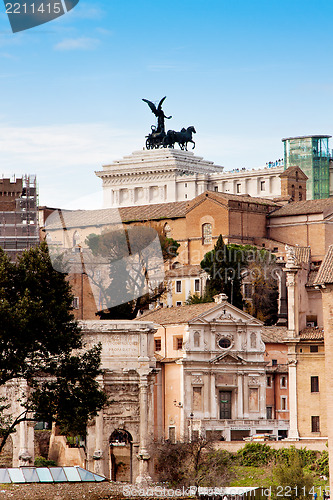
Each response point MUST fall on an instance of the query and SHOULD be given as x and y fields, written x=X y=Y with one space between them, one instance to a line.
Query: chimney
x=221 y=297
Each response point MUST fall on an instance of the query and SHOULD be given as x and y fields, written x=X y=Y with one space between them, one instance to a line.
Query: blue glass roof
x=48 y=475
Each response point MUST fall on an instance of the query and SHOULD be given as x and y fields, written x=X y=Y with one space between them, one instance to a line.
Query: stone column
x=143 y=455
x=327 y=300
x=146 y=195
x=116 y=197
x=214 y=410
x=292 y=381
x=293 y=335
x=161 y=193
x=293 y=309
x=25 y=457
x=240 y=413
x=99 y=430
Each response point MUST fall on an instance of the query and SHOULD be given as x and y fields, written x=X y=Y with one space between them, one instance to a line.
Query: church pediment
x=228 y=358
x=224 y=312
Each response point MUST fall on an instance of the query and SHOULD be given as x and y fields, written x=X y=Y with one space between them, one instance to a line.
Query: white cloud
x=64 y=157
x=81 y=43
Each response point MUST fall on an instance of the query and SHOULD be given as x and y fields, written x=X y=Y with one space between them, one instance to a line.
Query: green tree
x=197 y=299
x=228 y=265
x=291 y=476
x=224 y=265
x=263 y=278
x=41 y=344
x=194 y=463
x=115 y=246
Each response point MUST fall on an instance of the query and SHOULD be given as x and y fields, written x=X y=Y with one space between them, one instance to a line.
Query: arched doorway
x=121 y=455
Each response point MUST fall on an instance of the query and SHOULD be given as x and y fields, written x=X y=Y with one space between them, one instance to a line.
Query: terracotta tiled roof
x=190 y=270
x=290 y=170
x=173 y=315
x=325 y=273
x=86 y=218
x=305 y=207
x=302 y=254
x=312 y=277
x=274 y=334
x=152 y=212
x=312 y=333
x=224 y=198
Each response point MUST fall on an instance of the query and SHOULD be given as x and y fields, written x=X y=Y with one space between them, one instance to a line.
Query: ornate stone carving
x=291 y=256
x=225 y=316
x=228 y=336
x=197 y=379
x=254 y=381
x=290 y=281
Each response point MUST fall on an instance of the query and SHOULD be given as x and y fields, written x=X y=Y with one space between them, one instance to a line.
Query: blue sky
x=244 y=73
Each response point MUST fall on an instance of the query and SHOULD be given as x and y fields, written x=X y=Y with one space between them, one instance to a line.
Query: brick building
x=18 y=215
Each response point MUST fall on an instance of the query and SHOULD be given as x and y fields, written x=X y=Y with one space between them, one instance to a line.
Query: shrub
x=255 y=454
x=292 y=478
x=44 y=462
x=307 y=457
x=321 y=464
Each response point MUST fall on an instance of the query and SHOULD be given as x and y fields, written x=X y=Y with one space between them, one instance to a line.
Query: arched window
x=253 y=340
x=300 y=193
x=196 y=339
x=206 y=234
x=167 y=230
x=76 y=238
x=292 y=192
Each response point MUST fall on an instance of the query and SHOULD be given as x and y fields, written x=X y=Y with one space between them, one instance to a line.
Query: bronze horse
x=182 y=138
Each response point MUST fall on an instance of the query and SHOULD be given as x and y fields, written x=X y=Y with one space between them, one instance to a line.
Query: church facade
x=212 y=374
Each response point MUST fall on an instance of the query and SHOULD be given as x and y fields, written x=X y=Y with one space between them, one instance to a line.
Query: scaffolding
x=312 y=155
x=19 y=229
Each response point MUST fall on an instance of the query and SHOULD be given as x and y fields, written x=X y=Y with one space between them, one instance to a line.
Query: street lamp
x=191 y=426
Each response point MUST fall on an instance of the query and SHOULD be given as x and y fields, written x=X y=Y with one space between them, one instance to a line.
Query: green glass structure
x=312 y=155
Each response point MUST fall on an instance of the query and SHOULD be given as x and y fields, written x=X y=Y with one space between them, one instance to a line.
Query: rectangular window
x=247 y=291
x=158 y=344
x=283 y=403
x=75 y=303
x=178 y=286
x=177 y=343
x=216 y=188
x=197 y=285
x=262 y=185
x=269 y=412
x=283 y=382
x=172 y=435
x=238 y=188
x=274 y=362
x=314 y=384
x=197 y=399
x=315 y=426
x=269 y=381
x=207 y=234
x=186 y=184
x=313 y=348
x=311 y=320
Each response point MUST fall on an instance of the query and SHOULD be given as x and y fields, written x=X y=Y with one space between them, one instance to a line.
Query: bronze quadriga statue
x=158 y=138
